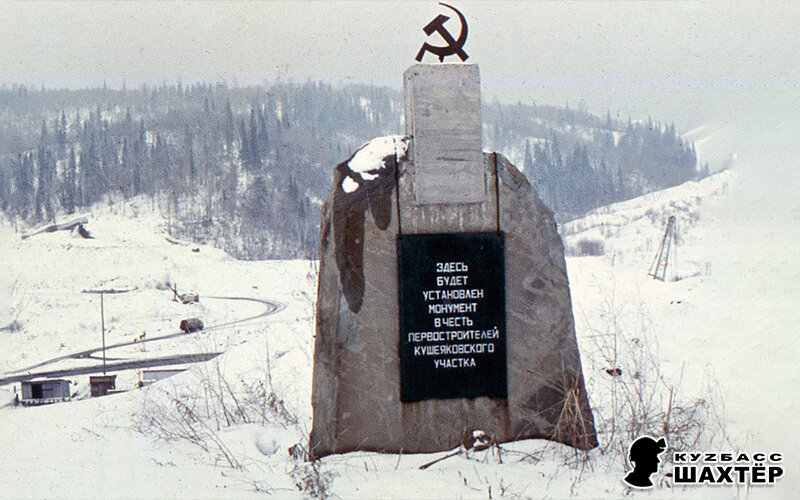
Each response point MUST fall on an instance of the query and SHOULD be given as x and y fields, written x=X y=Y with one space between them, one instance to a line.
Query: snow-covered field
x=721 y=338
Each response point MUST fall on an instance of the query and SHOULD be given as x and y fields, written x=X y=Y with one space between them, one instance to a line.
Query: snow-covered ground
x=726 y=329
x=90 y=448
x=721 y=335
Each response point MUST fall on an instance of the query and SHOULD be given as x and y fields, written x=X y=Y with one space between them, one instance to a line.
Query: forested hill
x=578 y=161
x=246 y=168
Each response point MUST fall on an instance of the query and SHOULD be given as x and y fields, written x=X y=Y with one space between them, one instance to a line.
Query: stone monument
x=443 y=305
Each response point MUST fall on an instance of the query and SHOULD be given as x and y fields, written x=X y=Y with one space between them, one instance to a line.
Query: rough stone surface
x=443 y=115
x=356 y=386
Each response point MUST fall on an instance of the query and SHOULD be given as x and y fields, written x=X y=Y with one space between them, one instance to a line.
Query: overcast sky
x=676 y=60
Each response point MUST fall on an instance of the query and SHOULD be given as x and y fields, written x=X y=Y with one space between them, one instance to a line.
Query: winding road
x=271 y=307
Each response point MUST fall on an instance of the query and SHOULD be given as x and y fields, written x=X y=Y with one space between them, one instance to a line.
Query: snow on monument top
x=370 y=159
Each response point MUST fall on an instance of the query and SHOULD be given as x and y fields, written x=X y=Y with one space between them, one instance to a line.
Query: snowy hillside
x=633 y=230
x=701 y=350
x=721 y=326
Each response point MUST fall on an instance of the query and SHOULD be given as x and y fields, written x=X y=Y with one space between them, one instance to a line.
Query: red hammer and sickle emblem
x=454 y=46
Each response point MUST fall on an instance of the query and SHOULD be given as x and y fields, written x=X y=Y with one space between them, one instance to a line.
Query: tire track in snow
x=271 y=307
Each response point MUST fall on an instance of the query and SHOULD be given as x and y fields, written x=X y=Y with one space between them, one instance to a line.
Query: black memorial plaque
x=452 y=316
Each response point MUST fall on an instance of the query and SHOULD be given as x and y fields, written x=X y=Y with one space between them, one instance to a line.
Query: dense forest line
x=246 y=168
x=578 y=161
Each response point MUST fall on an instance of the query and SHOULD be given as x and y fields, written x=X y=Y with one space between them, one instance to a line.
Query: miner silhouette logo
x=454 y=46
x=643 y=457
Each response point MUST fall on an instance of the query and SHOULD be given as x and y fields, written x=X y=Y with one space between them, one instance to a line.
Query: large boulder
x=356 y=386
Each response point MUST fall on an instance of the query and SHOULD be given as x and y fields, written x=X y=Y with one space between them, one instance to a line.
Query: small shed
x=151 y=376
x=102 y=384
x=44 y=391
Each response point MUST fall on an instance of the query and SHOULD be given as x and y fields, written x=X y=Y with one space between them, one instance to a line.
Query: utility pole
x=103 y=330
x=103 y=317
x=658 y=269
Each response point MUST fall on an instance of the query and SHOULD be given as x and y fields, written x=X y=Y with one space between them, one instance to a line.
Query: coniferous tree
x=620 y=187
x=138 y=161
x=257 y=200
x=528 y=161
x=229 y=127
x=263 y=134
x=254 y=155
x=68 y=199
x=61 y=134
x=244 y=149
x=127 y=169
x=40 y=195
x=188 y=141
x=23 y=188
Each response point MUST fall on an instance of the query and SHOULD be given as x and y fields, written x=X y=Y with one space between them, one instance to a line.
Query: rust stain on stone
x=349 y=213
x=325 y=231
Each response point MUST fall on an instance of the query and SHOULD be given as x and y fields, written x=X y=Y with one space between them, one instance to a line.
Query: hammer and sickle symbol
x=453 y=46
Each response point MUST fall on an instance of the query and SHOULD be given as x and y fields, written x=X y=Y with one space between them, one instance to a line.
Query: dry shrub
x=587 y=247
x=571 y=423
x=310 y=479
x=18 y=301
x=196 y=412
x=632 y=394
